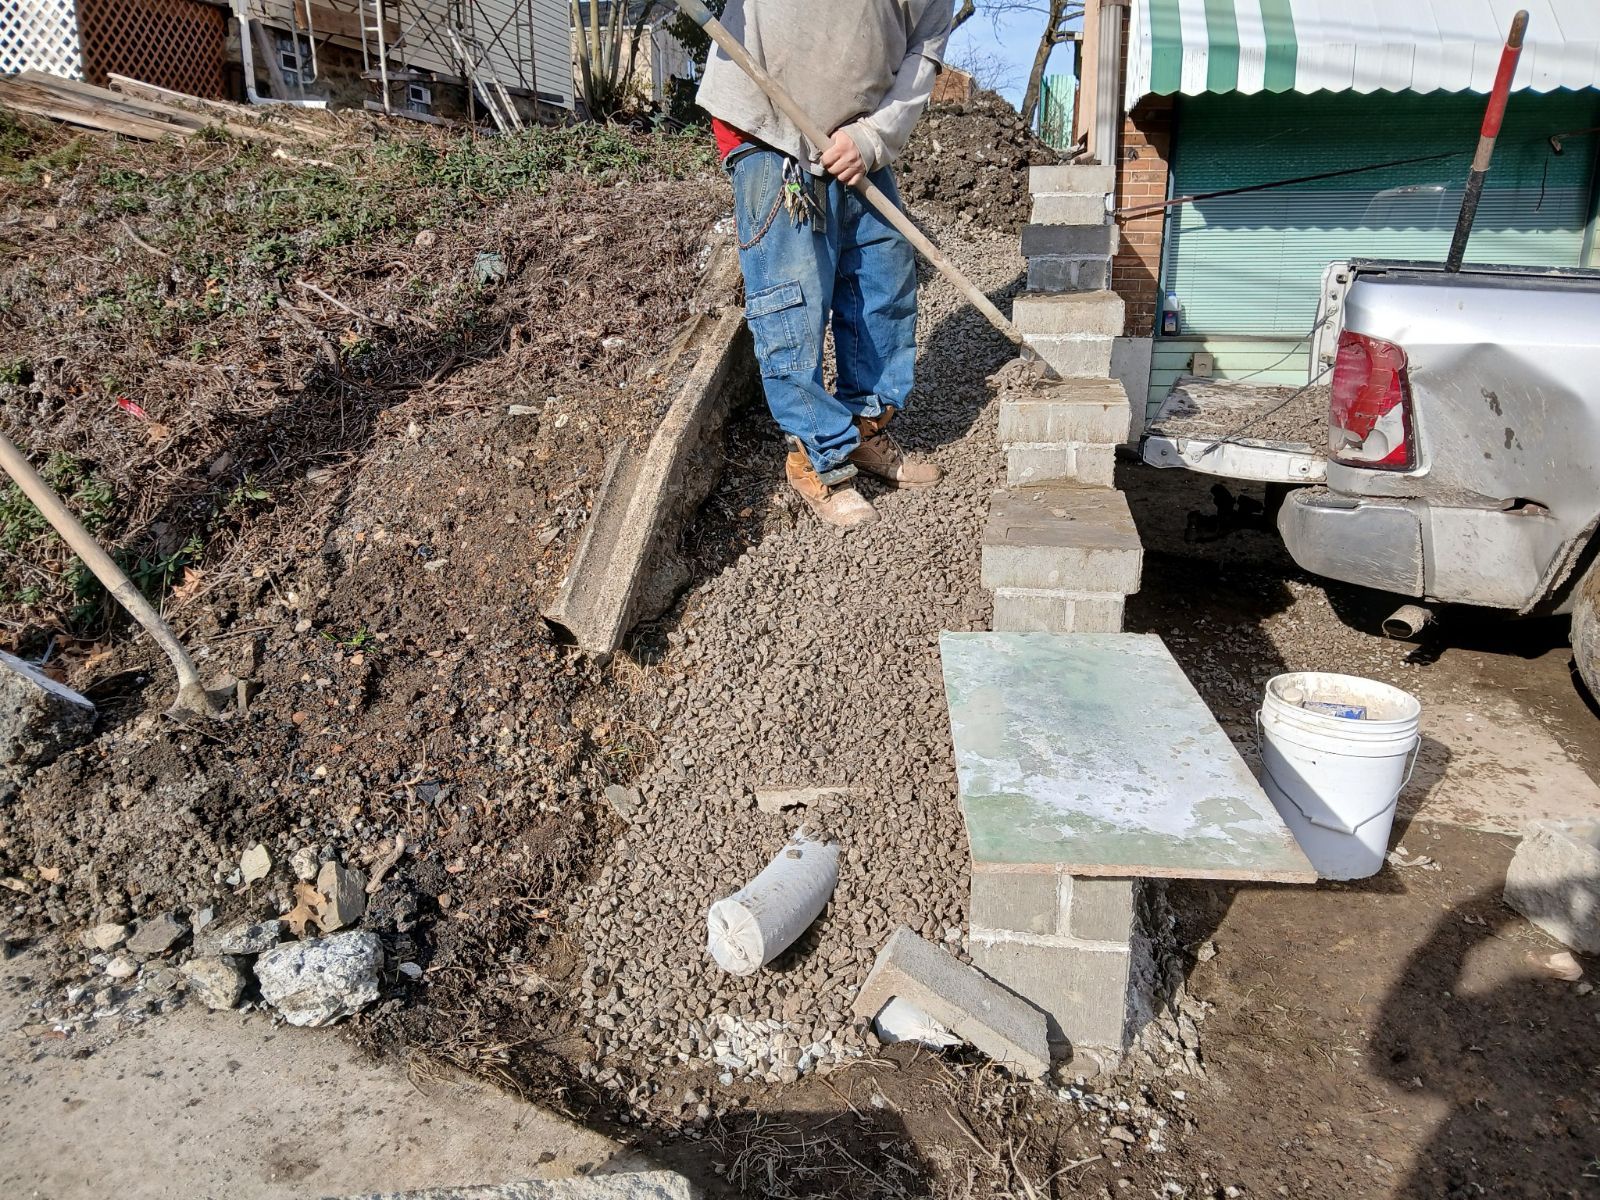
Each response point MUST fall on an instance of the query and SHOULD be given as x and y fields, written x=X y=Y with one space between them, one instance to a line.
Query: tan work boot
x=879 y=454
x=835 y=502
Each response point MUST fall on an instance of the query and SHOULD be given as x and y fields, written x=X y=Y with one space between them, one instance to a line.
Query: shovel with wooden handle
x=818 y=137
x=193 y=699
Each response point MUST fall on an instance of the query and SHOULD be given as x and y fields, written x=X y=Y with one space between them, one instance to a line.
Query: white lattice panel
x=40 y=35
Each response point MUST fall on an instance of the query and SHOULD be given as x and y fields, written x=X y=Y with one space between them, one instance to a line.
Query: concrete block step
x=1069 y=313
x=1070 y=208
x=1072 y=178
x=1075 y=356
x=1074 y=410
x=1083 y=991
x=1061 y=273
x=1070 y=241
x=1056 y=610
x=1061 y=536
x=1031 y=463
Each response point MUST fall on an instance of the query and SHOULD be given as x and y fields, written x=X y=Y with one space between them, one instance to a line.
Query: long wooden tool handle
x=191 y=692
x=1493 y=114
x=818 y=137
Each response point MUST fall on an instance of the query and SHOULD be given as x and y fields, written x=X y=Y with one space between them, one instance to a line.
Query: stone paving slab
x=1061 y=535
x=1093 y=754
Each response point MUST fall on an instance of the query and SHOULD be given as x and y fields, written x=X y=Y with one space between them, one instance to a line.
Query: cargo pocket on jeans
x=777 y=320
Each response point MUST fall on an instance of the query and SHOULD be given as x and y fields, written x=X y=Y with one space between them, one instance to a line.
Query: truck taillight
x=1369 y=415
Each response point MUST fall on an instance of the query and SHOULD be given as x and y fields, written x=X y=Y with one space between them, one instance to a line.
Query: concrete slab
x=1028 y=464
x=1025 y=610
x=193 y=1103
x=1072 y=178
x=967 y=1003
x=1069 y=208
x=1489 y=766
x=1074 y=410
x=1093 y=754
x=1080 y=354
x=1069 y=240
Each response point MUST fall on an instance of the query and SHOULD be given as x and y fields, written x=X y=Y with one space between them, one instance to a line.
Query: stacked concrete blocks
x=1061 y=554
x=1063 y=942
x=1070 y=241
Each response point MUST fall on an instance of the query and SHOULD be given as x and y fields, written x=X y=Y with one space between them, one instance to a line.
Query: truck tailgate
x=1238 y=430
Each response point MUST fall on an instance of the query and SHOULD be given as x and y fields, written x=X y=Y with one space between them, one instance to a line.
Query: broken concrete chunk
x=39 y=718
x=218 y=983
x=242 y=937
x=960 y=998
x=254 y=863
x=903 y=1021
x=753 y=926
x=344 y=896
x=156 y=935
x=1554 y=881
x=105 y=937
x=624 y=801
x=319 y=981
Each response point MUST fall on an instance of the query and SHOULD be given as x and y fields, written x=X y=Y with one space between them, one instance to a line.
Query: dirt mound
x=970 y=162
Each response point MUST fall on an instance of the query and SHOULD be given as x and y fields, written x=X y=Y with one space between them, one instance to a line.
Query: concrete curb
x=626 y=568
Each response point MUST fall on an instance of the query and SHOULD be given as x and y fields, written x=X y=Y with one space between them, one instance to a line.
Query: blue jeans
x=846 y=261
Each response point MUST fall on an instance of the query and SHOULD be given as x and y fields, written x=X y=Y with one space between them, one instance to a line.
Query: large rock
x=318 y=981
x=39 y=718
x=1554 y=881
x=218 y=983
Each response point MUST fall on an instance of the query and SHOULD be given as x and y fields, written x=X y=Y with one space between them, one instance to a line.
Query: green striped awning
x=1197 y=46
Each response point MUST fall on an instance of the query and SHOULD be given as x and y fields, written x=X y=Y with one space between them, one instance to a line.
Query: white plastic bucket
x=1335 y=779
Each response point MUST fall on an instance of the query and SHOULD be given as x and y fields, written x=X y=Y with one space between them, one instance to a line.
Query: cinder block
x=1082 y=990
x=1102 y=910
x=1028 y=901
x=975 y=1008
x=1071 y=241
x=1069 y=273
x=1072 y=178
x=1024 y=610
x=1061 y=537
x=1029 y=463
x=1069 y=208
x=1076 y=410
x=1075 y=356
x=1069 y=313
x=1554 y=881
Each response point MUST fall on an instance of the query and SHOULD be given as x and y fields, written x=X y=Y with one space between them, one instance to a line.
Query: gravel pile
x=812 y=659
x=970 y=162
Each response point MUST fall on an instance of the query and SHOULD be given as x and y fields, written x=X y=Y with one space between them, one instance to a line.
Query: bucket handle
x=1415 y=753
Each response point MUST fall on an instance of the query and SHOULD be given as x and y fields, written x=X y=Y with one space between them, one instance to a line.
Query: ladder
x=480 y=75
x=375 y=48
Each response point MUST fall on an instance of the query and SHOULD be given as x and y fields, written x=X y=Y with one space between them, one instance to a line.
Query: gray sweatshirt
x=864 y=66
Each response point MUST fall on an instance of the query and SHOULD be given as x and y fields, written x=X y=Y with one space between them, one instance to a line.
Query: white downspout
x=1108 y=81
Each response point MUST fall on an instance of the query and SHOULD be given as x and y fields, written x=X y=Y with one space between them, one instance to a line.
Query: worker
x=810 y=246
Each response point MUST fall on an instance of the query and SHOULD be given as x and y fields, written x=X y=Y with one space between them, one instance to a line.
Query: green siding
x=1252 y=264
x=1283 y=360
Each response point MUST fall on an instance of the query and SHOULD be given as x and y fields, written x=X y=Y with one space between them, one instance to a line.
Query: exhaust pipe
x=1407 y=621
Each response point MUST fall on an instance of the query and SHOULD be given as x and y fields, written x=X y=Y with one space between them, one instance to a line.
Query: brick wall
x=1142 y=179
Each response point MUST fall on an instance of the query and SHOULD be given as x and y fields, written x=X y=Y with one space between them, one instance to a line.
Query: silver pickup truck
x=1446 y=447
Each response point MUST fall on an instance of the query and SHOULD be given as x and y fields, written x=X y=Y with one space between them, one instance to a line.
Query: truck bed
x=1239 y=430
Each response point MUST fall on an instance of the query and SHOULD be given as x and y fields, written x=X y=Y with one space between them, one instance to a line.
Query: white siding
x=524 y=41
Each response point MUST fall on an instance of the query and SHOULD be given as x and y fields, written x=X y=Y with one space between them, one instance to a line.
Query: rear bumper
x=1445 y=553
x=1374 y=544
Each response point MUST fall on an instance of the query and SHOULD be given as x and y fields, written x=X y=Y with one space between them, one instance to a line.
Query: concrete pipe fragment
x=750 y=928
